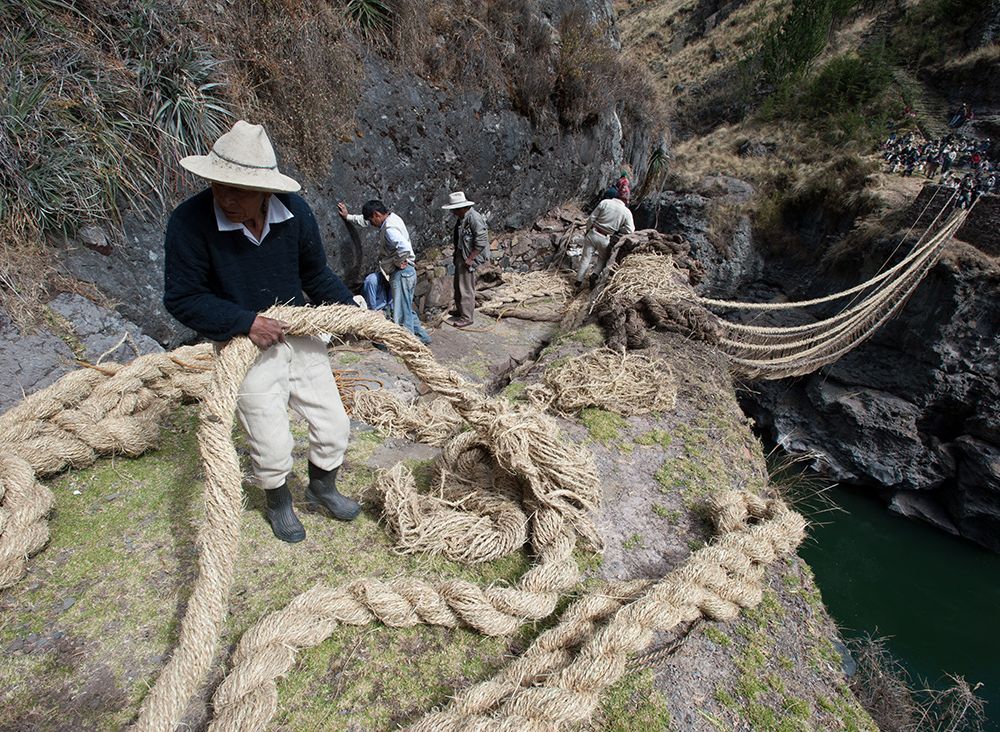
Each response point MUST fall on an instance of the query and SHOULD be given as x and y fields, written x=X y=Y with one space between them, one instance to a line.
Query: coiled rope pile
x=106 y=410
x=519 y=292
x=620 y=382
x=561 y=676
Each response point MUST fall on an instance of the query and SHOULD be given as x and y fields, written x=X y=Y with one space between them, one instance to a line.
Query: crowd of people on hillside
x=962 y=163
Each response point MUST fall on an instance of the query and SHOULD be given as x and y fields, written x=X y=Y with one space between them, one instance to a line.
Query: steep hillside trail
x=930 y=111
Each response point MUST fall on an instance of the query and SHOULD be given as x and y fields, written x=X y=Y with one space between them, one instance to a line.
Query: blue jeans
x=376 y=292
x=401 y=286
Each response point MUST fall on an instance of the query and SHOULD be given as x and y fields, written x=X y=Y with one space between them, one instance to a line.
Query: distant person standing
x=395 y=264
x=963 y=115
x=623 y=188
x=472 y=249
x=611 y=216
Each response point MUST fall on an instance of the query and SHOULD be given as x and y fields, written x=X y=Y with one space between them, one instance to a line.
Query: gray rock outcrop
x=78 y=330
x=727 y=253
x=413 y=144
x=917 y=407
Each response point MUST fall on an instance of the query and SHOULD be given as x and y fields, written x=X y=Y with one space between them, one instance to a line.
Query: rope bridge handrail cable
x=738 y=305
x=773 y=340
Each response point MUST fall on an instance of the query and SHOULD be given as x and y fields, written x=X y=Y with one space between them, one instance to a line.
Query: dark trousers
x=465 y=289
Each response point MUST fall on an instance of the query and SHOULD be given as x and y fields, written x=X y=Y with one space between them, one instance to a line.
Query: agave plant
x=372 y=17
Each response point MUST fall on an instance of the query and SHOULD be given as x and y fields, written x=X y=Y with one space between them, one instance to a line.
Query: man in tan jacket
x=471 y=240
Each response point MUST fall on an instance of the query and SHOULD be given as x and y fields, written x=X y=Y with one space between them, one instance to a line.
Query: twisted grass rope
x=552 y=686
x=870 y=283
x=799 y=365
x=865 y=311
x=930 y=249
x=623 y=383
x=108 y=410
x=563 y=490
x=756 y=351
x=557 y=482
x=825 y=353
x=474 y=517
x=433 y=423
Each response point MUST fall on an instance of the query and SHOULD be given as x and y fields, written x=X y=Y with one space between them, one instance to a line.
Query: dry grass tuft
x=296 y=70
x=889 y=694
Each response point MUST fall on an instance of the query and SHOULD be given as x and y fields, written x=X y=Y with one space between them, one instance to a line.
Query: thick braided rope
x=552 y=651
x=24 y=507
x=563 y=487
x=715 y=582
x=247 y=698
x=113 y=409
x=870 y=283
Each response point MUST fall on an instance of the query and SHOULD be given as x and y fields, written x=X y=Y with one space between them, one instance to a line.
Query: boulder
x=79 y=329
x=29 y=362
x=729 y=266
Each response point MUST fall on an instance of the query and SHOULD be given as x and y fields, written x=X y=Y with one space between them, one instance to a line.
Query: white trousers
x=293 y=374
x=594 y=241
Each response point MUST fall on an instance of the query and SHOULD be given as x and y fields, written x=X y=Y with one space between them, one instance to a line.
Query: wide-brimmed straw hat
x=457 y=200
x=244 y=158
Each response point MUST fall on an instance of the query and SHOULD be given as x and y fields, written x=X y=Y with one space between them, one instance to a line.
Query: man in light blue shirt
x=395 y=265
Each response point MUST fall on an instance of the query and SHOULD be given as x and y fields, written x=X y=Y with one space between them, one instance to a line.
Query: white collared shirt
x=395 y=238
x=276 y=213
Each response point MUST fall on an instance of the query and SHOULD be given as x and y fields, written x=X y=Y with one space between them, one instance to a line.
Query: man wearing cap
x=396 y=264
x=233 y=250
x=472 y=249
x=611 y=216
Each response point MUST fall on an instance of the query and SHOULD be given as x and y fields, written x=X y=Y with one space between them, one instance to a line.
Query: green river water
x=935 y=596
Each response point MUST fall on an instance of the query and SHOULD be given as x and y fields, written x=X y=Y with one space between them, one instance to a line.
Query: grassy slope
x=86 y=632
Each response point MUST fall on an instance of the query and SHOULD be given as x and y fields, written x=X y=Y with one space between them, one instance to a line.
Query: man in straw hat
x=472 y=249
x=233 y=250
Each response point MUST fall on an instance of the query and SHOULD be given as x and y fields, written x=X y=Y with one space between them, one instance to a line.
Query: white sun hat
x=244 y=158
x=457 y=200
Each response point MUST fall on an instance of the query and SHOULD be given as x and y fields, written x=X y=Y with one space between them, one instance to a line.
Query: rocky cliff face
x=915 y=411
x=411 y=144
x=727 y=253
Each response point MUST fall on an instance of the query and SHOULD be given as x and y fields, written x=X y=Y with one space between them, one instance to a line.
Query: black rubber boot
x=322 y=491
x=278 y=509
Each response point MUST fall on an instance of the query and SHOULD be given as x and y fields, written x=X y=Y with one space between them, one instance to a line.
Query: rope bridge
x=631 y=304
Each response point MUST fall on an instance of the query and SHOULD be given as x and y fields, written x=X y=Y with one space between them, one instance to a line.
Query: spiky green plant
x=372 y=17
x=93 y=118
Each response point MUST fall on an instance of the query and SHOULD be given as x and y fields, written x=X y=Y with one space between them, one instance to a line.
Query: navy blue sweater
x=215 y=282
